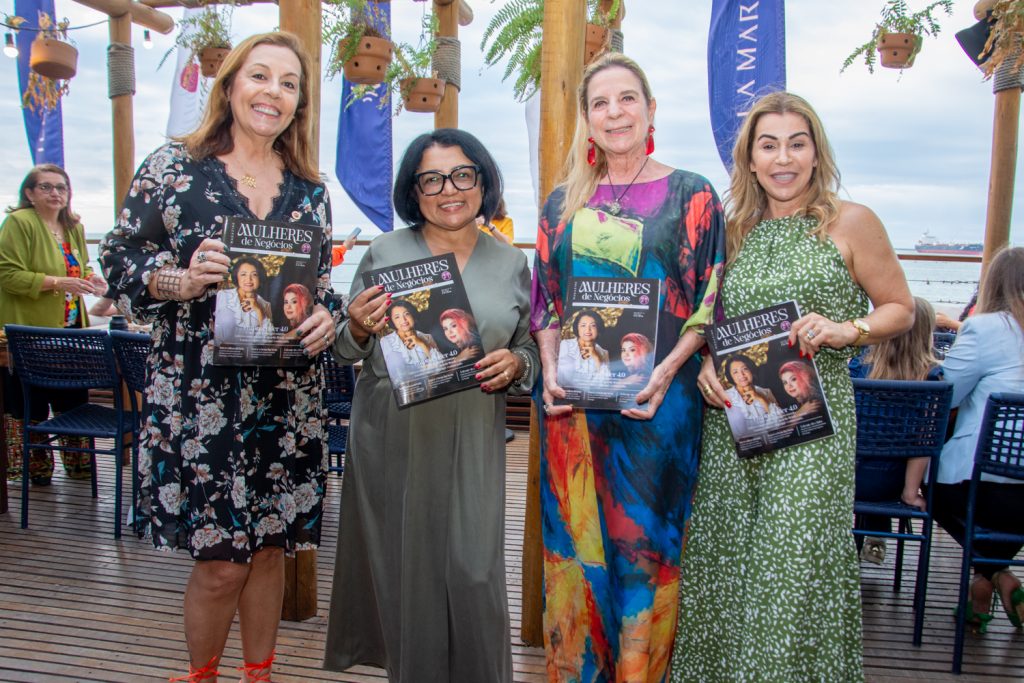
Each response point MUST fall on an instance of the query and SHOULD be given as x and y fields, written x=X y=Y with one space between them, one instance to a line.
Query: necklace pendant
x=614 y=208
x=249 y=181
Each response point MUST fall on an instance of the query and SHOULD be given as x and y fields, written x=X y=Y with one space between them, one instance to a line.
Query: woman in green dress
x=770 y=586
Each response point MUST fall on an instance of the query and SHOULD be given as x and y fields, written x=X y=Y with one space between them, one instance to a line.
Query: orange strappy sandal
x=204 y=673
x=257 y=673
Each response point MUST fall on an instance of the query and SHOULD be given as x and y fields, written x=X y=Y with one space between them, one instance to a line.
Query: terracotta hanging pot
x=53 y=58
x=210 y=59
x=897 y=50
x=595 y=42
x=422 y=94
x=370 y=62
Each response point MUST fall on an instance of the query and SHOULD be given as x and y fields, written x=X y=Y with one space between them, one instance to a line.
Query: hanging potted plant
x=52 y=61
x=1006 y=38
x=898 y=36
x=411 y=78
x=515 y=32
x=358 y=45
x=206 y=37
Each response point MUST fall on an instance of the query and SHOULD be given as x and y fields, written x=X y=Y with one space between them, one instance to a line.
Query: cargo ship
x=929 y=245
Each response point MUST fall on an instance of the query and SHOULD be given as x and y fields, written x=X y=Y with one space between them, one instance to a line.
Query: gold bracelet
x=168 y=283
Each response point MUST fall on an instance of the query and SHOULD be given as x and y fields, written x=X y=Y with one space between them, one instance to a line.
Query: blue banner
x=746 y=59
x=44 y=128
x=364 y=162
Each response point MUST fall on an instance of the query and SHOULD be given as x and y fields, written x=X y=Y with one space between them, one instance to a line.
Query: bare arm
x=865 y=246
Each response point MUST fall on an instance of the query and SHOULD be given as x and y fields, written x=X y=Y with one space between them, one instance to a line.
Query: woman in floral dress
x=232 y=460
x=770 y=586
x=615 y=487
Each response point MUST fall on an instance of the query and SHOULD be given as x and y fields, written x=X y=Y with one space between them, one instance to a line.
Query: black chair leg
x=24 y=479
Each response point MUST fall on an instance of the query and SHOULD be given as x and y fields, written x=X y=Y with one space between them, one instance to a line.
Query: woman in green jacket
x=43 y=275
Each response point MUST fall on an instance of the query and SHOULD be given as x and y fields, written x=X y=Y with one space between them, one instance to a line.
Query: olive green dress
x=770 y=584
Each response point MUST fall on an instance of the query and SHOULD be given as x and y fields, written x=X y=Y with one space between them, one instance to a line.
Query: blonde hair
x=1002 y=290
x=580 y=179
x=909 y=355
x=745 y=202
x=213 y=136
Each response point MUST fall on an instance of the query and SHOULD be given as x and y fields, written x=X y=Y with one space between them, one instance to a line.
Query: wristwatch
x=863 y=330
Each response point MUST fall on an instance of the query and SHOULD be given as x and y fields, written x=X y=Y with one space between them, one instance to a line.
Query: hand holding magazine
x=775 y=395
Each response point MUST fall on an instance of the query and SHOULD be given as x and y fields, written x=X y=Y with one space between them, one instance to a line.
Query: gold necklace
x=249 y=180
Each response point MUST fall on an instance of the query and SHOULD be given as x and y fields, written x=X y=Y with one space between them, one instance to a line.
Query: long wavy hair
x=1002 y=290
x=67 y=218
x=745 y=202
x=580 y=179
x=909 y=355
x=213 y=136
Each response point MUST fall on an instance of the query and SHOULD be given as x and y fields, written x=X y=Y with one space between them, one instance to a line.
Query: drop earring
x=591 y=152
x=650 y=141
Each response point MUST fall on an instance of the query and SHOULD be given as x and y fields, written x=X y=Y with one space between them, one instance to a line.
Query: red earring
x=650 y=141
x=591 y=152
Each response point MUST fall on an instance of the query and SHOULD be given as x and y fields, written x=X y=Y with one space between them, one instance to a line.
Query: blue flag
x=44 y=127
x=746 y=59
x=364 y=161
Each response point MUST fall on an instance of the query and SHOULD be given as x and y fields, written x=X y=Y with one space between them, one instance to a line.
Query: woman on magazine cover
x=408 y=351
x=241 y=314
x=616 y=486
x=636 y=361
x=419 y=580
x=461 y=331
x=797 y=379
x=751 y=408
x=231 y=461
x=771 y=586
x=581 y=360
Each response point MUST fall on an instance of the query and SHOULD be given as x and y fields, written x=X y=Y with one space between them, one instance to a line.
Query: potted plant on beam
x=207 y=38
x=52 y=61
x=598 y=34
x=1006 y=38
x=358 y=47
x=899 y=34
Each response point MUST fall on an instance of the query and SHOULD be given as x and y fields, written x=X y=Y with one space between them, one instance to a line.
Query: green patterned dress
x=770 y=585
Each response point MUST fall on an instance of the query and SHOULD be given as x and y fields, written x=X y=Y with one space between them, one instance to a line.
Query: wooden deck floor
x=77 y=606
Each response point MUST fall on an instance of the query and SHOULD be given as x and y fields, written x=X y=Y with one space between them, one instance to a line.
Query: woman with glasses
x=43 y=275
x=419 y=582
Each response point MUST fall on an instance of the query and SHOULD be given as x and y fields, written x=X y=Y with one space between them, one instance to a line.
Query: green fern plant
x=896 y=18
x=209 y=28
x=514 y=33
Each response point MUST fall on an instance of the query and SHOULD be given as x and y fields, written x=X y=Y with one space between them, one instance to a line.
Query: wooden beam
x=447 y=115
x=561 y=60
x=123 y=121
x=302 y=17
x=141 y=14
x=1002 y=174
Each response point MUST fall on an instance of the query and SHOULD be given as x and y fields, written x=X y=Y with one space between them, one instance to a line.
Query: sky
x=915 y=147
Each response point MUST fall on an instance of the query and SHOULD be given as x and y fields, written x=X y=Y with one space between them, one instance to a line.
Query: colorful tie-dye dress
x=615 y=492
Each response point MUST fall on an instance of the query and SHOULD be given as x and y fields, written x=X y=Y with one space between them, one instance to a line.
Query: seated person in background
x=500 y=226
x=905 y=357
x=944 y=322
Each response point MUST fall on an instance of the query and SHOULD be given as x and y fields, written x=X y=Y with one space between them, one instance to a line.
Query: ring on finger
x=811 y=334
x=369 y=322
x=547 y=408
x=201 y=257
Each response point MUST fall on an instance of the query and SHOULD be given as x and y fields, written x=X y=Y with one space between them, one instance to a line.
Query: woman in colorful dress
x=232 y=460
x=43 y=275
x=616 y=487
x=770 y=588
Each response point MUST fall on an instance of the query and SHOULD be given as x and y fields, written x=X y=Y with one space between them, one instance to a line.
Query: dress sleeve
x=961 y=365
x=324 y=290
x=16 y=275
x=702 y=257
x=141 y=241
x=346 y=349
x=522 y=341
x=546 y=293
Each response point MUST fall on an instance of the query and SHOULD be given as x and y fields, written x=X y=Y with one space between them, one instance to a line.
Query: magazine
x=431 y=341
x=776 y=395
x=271 y=290
x=609 y=332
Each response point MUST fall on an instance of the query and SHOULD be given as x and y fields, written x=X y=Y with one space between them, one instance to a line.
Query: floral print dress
x=232 y=459
x=615 y=492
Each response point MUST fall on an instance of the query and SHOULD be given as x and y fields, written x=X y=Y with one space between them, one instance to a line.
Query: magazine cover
x=607 y=350
x=270 y=291
x=776 y=395
x=431 y=340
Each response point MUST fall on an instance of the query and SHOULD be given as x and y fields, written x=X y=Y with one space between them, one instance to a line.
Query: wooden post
x=1002 y=174
x=302 y=17
x=123 y=121
x=447 y=115
x=561 y=60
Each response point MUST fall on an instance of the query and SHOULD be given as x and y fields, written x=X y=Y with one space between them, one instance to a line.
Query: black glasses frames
x=431 y=183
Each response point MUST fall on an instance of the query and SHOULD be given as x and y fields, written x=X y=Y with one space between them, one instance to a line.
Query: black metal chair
x=1000 y=452
x=131 y=349
x=339 y=386
x=896 y=421
x=53 y=359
